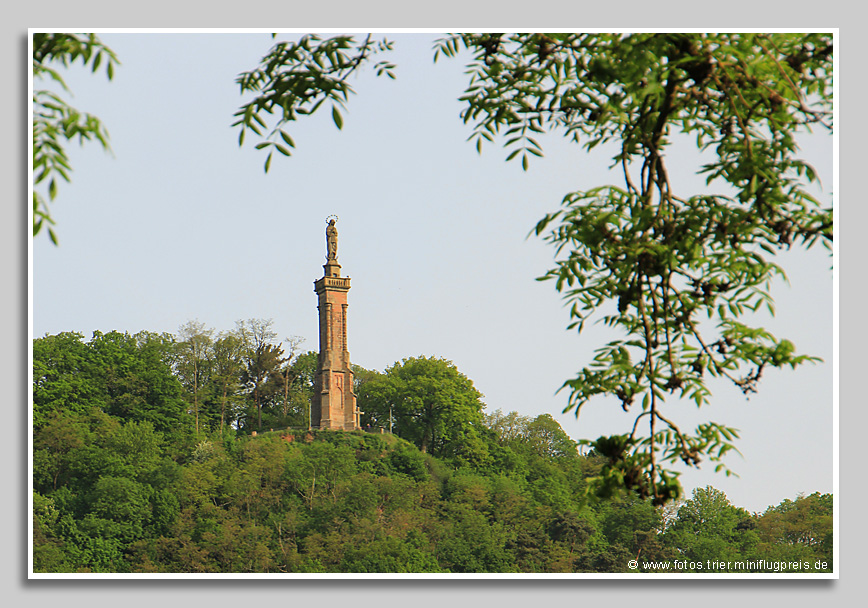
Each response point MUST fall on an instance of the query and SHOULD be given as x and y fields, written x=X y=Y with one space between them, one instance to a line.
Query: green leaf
x=336 y=116
x=285 y=136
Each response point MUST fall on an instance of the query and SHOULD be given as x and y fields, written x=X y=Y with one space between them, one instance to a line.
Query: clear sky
x=179 y=223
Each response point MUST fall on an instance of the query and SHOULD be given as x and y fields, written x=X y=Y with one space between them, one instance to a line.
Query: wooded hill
x=134 y=472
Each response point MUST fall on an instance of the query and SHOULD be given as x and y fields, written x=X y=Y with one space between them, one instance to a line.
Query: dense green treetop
x=124 y=480
x=128 y=376
x=430 y=403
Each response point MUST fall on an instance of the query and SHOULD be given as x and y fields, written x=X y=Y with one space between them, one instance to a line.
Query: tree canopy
x=242 y=379
x=427 y=401
x=123 y=375
x=125 y=481
x=676 y=275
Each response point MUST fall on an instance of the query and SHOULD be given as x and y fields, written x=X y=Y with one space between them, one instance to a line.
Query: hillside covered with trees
x=676 y=272
x=155 y=453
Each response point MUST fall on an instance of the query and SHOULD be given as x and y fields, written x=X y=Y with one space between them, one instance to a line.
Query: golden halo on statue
x=330 y=217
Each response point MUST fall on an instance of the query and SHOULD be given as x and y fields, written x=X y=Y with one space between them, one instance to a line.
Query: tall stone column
x=334 y=402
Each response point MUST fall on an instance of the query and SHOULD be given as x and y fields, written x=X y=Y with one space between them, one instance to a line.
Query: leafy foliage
x=798 y=529
x=431 y=403
x=129 y=377
x=665 y=261
x=121 y=486
x=541 y=436
x=54 y=120
x=335 y=502
x=709 y=528
x=295 y=78
x=677 y=275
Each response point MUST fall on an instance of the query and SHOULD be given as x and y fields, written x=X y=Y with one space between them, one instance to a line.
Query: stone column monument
x=334 y=402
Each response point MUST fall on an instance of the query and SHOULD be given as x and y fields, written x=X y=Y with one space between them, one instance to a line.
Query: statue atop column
x=332 y=240
x=333 y=405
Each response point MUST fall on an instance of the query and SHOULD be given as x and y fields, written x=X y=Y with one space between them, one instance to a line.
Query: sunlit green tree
x=430 y=403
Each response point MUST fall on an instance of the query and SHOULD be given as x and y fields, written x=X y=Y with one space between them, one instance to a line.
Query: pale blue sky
x=181 y=224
